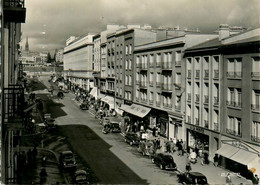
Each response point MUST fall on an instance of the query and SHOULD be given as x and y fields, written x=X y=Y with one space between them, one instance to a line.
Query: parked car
x=80 y=177
x=146 y=147
x=132 y=138
x=114 y=127
x=164 y=161
x=84 y=106
x=192 y=178
x=67 y=160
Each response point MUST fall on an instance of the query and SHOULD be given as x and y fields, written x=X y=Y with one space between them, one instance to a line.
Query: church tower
x=27 y=45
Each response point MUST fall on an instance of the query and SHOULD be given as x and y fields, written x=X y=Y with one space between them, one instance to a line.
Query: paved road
x=111 y=159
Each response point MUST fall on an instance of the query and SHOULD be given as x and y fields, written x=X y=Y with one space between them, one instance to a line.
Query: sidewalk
x=54 y=175
x=215 y=175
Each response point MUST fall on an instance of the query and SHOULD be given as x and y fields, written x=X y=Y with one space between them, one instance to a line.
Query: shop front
x=159 y=120
x=108 y=102
x=239 y=157
x=175 y=126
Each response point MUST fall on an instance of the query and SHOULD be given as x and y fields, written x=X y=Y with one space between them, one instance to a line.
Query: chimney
x=223 y=31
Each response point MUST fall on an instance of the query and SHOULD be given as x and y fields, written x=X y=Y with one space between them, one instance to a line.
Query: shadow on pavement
x=96 y=152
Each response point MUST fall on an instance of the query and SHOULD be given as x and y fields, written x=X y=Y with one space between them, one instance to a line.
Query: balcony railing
x=158 y=64
x=166 y=87
x=206 y=99
x=189 y=74
x=144 y=66
x=216 y=101
x=143 y=84
x=215 y=127
x=236 y=75
x=158 y=103
x=158 y=84
x=138 y=81
x=197 y=121
x=14 y=11
x=167 y=105
x=233 y=132
x=189 y=97
x=197 y=74
x=138 y=65
x=151 y=83
x=206 y=123
x=143 y=100
x=167 y=66
x=197 y=100
x=216 y=74
x=206 y=74
x=151 y=102
x=255 y=75
x=178 y=63
x=255 y=138
x=188 y=119
x=234 y=104
x=178 y=107
x=255 y=107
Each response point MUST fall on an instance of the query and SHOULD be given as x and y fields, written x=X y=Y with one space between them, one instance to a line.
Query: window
x=256 y=100
x=158 y=59
x=130 y=64
x=151 y=78
x=151 y=59
x=151 y=96
x=130 y=49
x=255 y=133
x=178 y=78
x=234 y=97
x=234 y=126
x=256 y=67
x=234 y=67
x=138 y=61
x=158 y=78
x=158 y=98
x=126 y=64
x=178 y=56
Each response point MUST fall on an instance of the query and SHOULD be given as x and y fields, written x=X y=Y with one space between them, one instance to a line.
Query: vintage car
x=80 y=177
x=111 y=126
x=132 y=138
x=67 y=160
x=192 y=178
x=164 y=161
x=84 y=106
x=146 y=147
x=49 y=121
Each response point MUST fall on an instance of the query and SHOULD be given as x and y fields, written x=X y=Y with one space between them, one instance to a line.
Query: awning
x=118 y=111
x=93 y=92
x=239 y=155
x=124 y=107
x=101 y=96
x=227 y=150
x=109 y=100
x=138 y=110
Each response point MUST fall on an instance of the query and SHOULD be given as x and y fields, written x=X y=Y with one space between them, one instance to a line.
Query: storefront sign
x=197 y=129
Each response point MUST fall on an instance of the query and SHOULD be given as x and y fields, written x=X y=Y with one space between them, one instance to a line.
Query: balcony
x=189 y=74
x=151 y=102
x=178 y=108
x=188 y=119
x=166 y=87
x=255 y=138
x=206 y=74
x=216 y=101
x=197 y=121
x=197 y=99
x=231 y=103
x=216 y=74
x=144 y=66
x=255 y=75
x=255 y=107
x=167 y=105
x=178 y=63
x=233 y=132
x=143 y=85
x=197 y=74
x=234 y=75
x=206 y=99
x=206 y=123
x=189 y=97
x=158 y=103
x=215 y=127
x=14 y=11
x=166 y=66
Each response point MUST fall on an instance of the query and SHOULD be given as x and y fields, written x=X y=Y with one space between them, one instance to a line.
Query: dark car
x=132 y=138
x=67 y=160
x=114 y=127
x=192 y=178
x=164 y=161
x=84 y=106
x=80 y=177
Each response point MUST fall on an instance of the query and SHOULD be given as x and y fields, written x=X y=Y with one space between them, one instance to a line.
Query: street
x=112 y=160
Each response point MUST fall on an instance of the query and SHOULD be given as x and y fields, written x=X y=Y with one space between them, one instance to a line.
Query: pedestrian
x=168 y=146
x=215 y=159
x=158 y=143
x=182 y=147
x=255 y=180
x=154 y=131
x=43 y=176
x=188 y=165
x=34 y=153
x=228 y=179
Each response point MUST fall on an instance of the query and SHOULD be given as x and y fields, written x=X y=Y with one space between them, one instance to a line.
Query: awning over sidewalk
x=109 y=100
x=237 y=154
x=137 y=110
x=101 y=96
x=93 y=92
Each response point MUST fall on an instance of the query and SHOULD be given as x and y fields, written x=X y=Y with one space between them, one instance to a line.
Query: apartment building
x=12 y=92
x=78 y=63
x=222 y=87
x=159 y=82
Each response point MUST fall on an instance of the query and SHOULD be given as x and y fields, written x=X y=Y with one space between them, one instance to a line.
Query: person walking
x=228 y=179
x=215 y=159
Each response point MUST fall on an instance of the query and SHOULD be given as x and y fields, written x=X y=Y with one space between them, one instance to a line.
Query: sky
x=50 y=22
